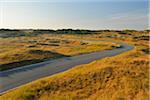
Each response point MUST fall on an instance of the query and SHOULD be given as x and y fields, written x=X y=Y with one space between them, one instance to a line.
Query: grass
x=122 y=77
x=25 y=57
x=20 y=51
x=110 y=78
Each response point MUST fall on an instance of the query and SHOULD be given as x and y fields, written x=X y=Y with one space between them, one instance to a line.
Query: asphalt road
x=14 y=78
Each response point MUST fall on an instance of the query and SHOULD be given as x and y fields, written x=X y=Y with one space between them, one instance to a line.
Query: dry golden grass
x=123 y=77
x=19 y=51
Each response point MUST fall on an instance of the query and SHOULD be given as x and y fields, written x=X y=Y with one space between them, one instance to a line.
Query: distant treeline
x=4 y=33
x=30 y=32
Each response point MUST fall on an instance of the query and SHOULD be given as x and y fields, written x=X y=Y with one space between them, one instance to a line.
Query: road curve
x=16 y=77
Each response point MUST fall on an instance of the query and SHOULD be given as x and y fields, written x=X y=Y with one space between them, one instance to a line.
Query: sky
x=75 y=14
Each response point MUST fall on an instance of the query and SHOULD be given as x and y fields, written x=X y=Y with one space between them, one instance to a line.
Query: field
x=24 y=50
x=122 y=77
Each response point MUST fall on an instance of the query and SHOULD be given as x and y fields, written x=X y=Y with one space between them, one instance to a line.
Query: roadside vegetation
x=122 y=77
x=20 y=51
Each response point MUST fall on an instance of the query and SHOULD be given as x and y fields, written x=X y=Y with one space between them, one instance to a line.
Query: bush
x=127 y=32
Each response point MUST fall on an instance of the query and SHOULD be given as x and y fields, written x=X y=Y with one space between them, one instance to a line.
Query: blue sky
x=79 y=14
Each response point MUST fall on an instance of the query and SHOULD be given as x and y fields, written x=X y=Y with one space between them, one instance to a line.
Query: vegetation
x=110 y=78
x=122 y=77
x=127 y=31
x=5 y=33
x=20 y=51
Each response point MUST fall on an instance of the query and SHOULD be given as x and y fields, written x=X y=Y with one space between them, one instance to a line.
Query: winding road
x=16 y=77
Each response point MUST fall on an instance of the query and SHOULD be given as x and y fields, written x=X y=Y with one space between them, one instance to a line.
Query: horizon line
x=68 y=28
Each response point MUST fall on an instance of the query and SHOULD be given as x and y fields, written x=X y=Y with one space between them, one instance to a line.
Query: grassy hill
x=123 y=77
x=20 y=51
